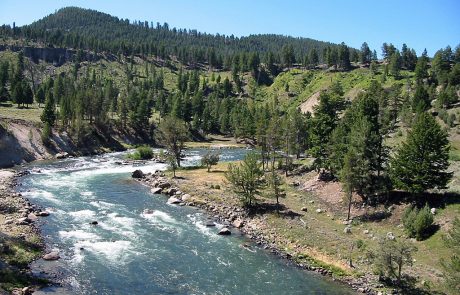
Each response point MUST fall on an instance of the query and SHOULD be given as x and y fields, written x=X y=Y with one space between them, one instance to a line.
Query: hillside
x=79 y=28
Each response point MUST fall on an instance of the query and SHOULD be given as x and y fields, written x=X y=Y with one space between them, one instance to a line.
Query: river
x=167 y=251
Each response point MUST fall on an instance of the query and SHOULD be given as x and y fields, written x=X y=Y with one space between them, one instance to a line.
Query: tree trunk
x=350 y=198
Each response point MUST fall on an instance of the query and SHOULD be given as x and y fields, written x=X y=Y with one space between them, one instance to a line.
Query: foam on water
x=201 y=226
x=114 y=251
x=78 y=235
x=83 y=214
x=41 y=194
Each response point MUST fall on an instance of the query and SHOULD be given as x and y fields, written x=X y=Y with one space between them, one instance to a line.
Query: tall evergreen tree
x=421 y=162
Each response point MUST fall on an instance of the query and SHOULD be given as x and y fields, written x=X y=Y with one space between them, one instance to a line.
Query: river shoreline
x=238 y=218
x=19 y=229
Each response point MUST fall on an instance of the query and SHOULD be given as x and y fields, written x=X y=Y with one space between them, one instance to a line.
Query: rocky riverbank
x=252 y=225
x=20 y=240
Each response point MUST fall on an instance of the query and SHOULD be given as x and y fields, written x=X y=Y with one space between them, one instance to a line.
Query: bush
x=142 y=153
x=423 y=223
x=418 y=223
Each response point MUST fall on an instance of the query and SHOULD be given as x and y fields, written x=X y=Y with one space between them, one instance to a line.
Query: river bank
x=20 y=239
x=203 y=192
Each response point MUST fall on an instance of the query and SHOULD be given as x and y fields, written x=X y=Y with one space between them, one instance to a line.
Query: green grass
x=10 y=111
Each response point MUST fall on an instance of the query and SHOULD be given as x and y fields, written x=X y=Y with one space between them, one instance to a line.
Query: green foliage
x=418 y=223
x=209 y=159
x=391 y=256
x=246 y=178
x=452 y=265
x=142 y=153
x=421 y=162
x=46 y=134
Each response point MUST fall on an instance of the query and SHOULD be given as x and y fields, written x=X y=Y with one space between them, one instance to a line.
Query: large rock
x=32 y=217
x=62 y=155
x=164 y=185
x=22 y=221
x=210 y=223
x=43 y=213
x=186 y=198
x=224 y=232
x=54 y=255
x=174 y=200
x=156 y=190
x=171 y=191
x=138 y=174
x=238 y=223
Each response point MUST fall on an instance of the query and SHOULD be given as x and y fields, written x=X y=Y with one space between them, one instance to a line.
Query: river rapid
x=168 y=250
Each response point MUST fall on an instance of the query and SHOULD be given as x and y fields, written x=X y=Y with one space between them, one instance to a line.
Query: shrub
x=423 y=223
x=142 y=153
x=418 y=223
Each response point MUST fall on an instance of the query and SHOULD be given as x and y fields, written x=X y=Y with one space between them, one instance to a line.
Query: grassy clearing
x=31 y=114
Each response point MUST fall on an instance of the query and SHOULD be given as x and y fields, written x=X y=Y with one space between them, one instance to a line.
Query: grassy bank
x=318 y=239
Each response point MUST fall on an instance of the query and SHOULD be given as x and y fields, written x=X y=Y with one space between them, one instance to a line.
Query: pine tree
x=48 y=115
x=420 y=163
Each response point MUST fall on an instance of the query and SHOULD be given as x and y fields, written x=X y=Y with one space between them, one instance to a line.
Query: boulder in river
x=156 y=190
x=62 y=155
x=210 y=223
x=43 y=213
x=94 y=222
x=174 y=200
x=224 y=232
x=53 y=255
x=138 y=174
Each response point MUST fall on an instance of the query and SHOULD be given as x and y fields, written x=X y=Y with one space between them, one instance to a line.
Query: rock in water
x=224 y=232
x=210 y=223
x=54 y=255
x=93 y=222
x=43 y=213
x=156 y=190
x=174 y=200
x=138 y=174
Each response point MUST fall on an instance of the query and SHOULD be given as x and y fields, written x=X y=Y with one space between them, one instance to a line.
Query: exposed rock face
x=54 y=255
x=138 y=174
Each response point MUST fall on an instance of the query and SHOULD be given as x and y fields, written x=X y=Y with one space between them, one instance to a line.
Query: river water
x=169 y=251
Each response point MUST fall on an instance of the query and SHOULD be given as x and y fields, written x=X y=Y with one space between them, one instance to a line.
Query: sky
x=430 y=24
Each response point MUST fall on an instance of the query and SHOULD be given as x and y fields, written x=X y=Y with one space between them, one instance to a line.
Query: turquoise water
x=166 y=251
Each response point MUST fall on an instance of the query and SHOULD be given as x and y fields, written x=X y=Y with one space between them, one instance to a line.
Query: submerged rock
x=54 y=255
x=94 y=222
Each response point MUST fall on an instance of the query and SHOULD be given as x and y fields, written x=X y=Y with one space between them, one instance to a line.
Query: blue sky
x=431 y=24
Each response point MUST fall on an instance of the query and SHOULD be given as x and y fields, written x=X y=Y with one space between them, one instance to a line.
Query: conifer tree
x=421 y=162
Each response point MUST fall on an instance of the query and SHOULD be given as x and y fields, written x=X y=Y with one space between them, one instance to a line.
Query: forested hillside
x=88 y=29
